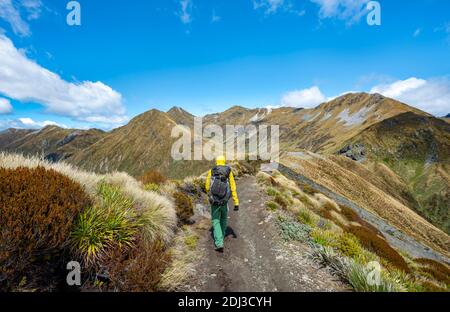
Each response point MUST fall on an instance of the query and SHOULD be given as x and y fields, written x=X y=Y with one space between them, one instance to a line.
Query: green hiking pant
x=219 y=216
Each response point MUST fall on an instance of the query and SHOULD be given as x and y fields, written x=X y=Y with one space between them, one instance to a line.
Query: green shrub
x=153 y=177
x=191 y=241
x=349 y=246
x=325 y=238
x=291 y=230
x=358 y=277
x=273 y=206
x=37 y=212
x=272 y=192
x=282 y=200
x=305 y=216
x=109 y=224
x=184 y=206
x=152 y=187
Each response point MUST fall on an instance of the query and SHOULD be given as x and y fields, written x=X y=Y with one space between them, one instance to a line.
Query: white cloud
x=270 y=6
x=33 y=8
x=27 y=123
x=11 y=15
x=5 y=106
x=306 y=98
x=12 y=11
x=26 y=81
x=274 y=6
x=185 y=13
x=417 y=32
x=431 y=96
x=348 y=10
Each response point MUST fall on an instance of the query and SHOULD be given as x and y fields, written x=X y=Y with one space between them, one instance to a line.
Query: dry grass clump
x=367 y=195
x=156 y=212
x=139 y=269
x=439 y=271
x=346 y=242
x=184 y=255
x=184 y=206
x=118 y=215
x=38 y=207
x=271 y=205
x=379 y=245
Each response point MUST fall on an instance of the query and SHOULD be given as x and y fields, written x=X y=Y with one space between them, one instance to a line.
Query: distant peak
x=178 y=110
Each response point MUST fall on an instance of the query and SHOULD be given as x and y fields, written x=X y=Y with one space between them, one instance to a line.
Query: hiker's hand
x=236 y=208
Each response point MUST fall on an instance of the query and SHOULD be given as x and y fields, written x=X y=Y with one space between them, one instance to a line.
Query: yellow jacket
x=232 y=183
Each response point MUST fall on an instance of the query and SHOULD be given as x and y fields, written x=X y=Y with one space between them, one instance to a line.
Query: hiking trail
x=255 y=258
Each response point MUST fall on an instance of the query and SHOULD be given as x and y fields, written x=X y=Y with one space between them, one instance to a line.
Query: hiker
x=220 y=186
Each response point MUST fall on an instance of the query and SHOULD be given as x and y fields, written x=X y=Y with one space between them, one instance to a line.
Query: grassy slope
x=144 y=144
x=417 y=149
x=363 y=191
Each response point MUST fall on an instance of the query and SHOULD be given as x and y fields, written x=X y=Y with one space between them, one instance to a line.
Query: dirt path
x=255 y=257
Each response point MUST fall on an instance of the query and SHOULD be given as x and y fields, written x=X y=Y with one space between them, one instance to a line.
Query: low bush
x=184 y=206
x=110 y=224
x=152 y=187
x=191 y=241
x=139 y=269
x=437 y=270
x=273 y=206
x=282 y=200
x=37 y=212
x=272 y=192
x=154 y=177
x=308 y=189
x=307 y=217
x=373 y=242
x=359 y=277
x=291 y=230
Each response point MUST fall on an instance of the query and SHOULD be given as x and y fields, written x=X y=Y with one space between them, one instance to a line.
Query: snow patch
x=326 y=116
x=354 y=119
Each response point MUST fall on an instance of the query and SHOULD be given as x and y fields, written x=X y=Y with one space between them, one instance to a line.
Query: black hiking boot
x=219 y=249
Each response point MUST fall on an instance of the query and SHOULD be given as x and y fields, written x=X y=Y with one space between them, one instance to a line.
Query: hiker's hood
x=221 y=161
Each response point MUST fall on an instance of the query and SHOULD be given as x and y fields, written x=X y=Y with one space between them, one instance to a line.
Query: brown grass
x=37 y=212
x=139 y=270
x=378 y=245
x=183 y=206
x=437 y=270
x=367 y=195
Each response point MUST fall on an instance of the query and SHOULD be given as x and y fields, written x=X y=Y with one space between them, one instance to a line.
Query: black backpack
x=220 y=191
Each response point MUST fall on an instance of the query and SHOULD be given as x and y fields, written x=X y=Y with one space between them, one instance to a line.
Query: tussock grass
x=184 y=255
x=341 y=239
x=120 y=217
x=111 y=223
x=273 y=206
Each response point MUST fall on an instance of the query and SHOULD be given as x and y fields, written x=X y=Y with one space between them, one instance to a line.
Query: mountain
x=52 y=142
x=417 y=149
x=10 y=135
x=385 y=156
x=181 y=117
x=145 y=143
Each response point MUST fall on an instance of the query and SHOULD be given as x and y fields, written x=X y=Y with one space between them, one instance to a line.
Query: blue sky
x=208 y=55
